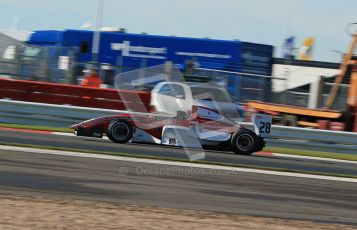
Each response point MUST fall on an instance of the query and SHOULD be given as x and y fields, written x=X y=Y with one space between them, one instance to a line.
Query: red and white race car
x=203 y=129
x=187 y=115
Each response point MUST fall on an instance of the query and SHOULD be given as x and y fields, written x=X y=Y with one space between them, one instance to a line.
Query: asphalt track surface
x=101 y=145
x=33 y=174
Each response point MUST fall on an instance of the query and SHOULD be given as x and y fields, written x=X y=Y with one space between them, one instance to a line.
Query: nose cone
x=74 y=126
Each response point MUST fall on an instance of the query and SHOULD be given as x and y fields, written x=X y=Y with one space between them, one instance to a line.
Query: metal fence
x=24 y=62
x=240 y=86
x=341 y=98
x=41 y=63
x=298 y=98
x=301 y=97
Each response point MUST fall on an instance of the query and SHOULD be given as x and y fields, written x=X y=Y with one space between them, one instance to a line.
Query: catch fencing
x=42 y=63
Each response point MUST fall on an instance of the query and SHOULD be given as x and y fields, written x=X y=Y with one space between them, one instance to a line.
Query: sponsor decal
x=172 y=141
x=207 y=55
x=139 y=51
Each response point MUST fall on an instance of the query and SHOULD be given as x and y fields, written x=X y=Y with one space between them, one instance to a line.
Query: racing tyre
x=244 y=142
x=259 y=144
x=120 y=131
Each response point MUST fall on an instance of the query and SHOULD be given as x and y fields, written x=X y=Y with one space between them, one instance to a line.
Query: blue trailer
x=134 y=51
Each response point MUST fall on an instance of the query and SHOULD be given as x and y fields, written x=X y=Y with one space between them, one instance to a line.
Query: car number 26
x=262 y=124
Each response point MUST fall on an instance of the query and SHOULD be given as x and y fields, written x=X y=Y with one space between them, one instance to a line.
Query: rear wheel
x=120 y=131
x=244 y=142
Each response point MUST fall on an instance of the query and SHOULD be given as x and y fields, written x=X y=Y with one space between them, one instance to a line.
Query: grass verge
x=310 y=153
x=37 y=127
x=177 y=160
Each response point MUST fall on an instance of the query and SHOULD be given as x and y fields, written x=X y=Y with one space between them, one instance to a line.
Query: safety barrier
x=312 y=139
x=29 y=113
x=19 y=112
x=62 y=94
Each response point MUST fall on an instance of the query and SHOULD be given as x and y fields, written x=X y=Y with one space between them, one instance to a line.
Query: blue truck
x=249 y=61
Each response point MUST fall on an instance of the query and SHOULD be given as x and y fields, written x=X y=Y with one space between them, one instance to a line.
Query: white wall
x=295 y=76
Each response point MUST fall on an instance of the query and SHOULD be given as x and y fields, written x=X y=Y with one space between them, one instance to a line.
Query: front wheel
x=244 y=142
x=120 y=131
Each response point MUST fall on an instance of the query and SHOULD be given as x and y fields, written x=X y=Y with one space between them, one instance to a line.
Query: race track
x=306 y=165
x=31 y=174
x=34 y=174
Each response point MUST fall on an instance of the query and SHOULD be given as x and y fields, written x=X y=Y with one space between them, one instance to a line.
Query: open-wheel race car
x=204 y=128
x=187 y=115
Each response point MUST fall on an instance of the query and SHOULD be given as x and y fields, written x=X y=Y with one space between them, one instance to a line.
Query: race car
x=199 y=115
x=204 y=128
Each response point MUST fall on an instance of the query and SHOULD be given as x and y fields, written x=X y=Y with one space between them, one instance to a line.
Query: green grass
x=340 y=156
x=175 y=159
x=37 y=127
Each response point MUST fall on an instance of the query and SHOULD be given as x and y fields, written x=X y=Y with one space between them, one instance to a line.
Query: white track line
x=174 y=163
x=72 y=135
x=63 y=134
x=313 y=158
